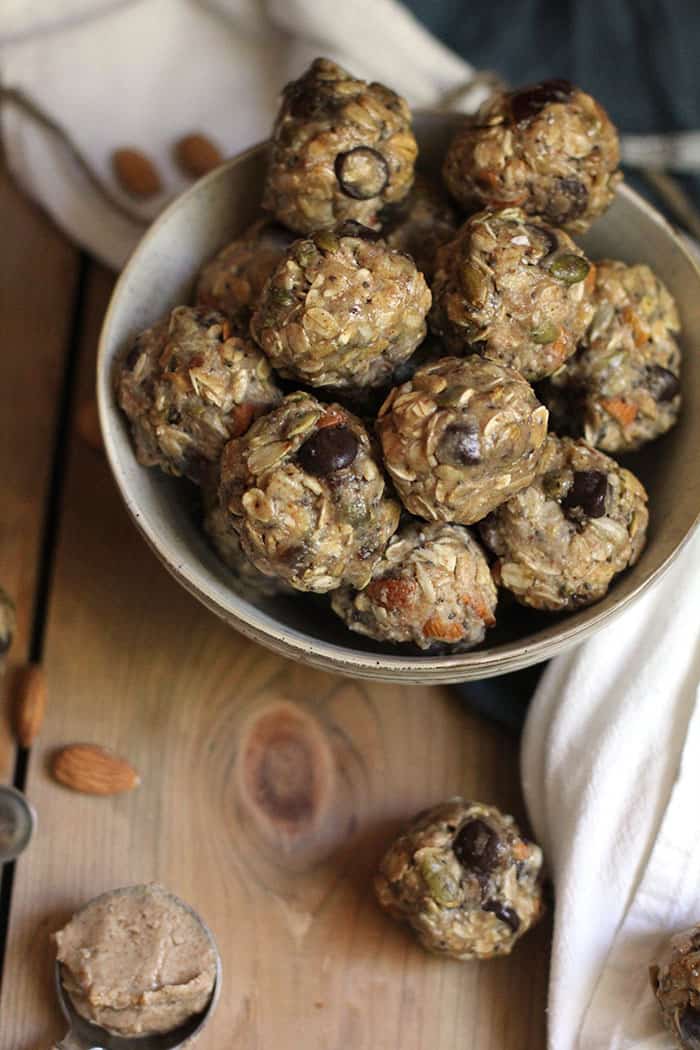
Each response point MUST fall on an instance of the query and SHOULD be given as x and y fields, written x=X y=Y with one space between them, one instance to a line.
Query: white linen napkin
x=611 y=751
x=611 y=773
x=144 y=73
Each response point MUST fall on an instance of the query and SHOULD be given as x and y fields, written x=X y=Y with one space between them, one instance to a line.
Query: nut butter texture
x=136 y=961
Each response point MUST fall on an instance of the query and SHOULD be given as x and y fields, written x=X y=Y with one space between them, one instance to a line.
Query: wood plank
x=269 y=792
x=37 y=290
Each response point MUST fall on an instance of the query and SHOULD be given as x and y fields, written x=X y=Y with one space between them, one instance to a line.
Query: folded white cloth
x=611 y=774
x=142 y=74
x=611 y=790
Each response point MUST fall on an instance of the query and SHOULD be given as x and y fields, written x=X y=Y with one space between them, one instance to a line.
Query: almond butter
x=137 y=174
x=197 y=155
x=93 y=770
x=30 y=704
x=88 y=425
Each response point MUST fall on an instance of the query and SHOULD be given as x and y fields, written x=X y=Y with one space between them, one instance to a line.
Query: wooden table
x=268 y=790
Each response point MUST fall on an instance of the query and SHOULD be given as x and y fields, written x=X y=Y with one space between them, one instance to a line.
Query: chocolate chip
x=362 y=172
x=350 y=228
x=587 y=493
x=329 y=449
x=477 y=846
x=460 y=444
x=504 y=913
x=529 y=101
x=689 y=1027
x=568 y=201
x=663 y=385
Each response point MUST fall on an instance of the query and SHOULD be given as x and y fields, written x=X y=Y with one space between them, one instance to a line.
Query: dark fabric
x=640 y=59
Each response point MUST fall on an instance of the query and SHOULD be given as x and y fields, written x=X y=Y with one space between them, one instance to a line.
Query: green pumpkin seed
x=569 y=268
x=474 y=283
x=327 y=241
x=442 y=885
x=546 y=333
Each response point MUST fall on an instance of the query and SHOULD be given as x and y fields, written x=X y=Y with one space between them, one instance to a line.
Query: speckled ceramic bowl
x=160 y=275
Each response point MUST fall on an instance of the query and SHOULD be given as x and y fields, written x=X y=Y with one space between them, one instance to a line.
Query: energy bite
x=461 y=437
x=465 y=879
x=306 y=494
x=188 y=385
x=675 y=980
x=233 y=280
x=560 y=541
x=512 y=288
x=341 y=311
x=548 y=148
x=420 y=224
x=341 y=149
x=622 y=388
x=137 y=961
x=432 y=587
x=219 y=527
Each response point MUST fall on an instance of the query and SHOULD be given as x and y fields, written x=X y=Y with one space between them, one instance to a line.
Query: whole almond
x=197 y=155
x=88 y=425
x=93 y=770
x=31 y=704
x=137 y=174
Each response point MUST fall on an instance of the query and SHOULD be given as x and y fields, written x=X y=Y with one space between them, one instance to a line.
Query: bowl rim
x=290 y=642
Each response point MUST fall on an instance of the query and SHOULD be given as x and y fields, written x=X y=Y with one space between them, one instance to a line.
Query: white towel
x=611 y=774
x=142 y=74
x=610 y=797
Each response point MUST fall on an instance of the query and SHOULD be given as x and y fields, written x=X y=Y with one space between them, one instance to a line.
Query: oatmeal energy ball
x=513 y=289
x=621 y=389
x=341 y=149
x=461 y=437
x=549 y=149
x=341 y=311
x=465 y=879
x=233 y=280
x=420 y=224
x=675 y=980
x=560 y=541
x=306 y=495
x=137 y=961
x=219 y=527
x=432 y=587
x=187 y=386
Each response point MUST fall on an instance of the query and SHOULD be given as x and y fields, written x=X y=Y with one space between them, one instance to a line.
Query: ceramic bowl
x=160 y=274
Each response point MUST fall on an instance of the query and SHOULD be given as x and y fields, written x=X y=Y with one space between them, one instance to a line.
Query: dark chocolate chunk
x=362 y=172
x=460 y=445
x=529 y=101
x=478 y=847
x=329 y=449
x=504 y=913
x=587 y=493
x=663 y=385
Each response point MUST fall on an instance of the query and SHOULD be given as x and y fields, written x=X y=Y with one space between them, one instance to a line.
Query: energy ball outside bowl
x=188 y=385
x=421 y=223
x=560 y=542
x=341 y=149
x=548 y=148
x=461 y=437
x=465 y=879
x=233 y=280
x=432 y=587
x=341 y=311
x=675 y=979
x=514 y=289
x=622 y=387
x=306 y=494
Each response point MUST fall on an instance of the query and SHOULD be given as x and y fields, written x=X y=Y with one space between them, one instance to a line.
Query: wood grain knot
x=286 y=770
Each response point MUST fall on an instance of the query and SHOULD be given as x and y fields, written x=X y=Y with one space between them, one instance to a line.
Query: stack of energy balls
x=342 y=452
